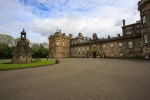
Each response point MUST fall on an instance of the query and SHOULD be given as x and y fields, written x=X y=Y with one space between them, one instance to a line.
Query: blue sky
x=41 y=18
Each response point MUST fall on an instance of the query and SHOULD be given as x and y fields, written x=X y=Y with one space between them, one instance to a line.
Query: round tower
x=144 y=8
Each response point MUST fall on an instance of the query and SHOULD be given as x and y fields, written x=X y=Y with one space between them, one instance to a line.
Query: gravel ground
x=79 y=79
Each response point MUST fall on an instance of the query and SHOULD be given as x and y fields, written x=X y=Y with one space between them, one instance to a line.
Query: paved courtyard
x=79 y=79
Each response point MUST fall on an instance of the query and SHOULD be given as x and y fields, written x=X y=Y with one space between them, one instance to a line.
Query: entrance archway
x=94 y=54
x=103 y=55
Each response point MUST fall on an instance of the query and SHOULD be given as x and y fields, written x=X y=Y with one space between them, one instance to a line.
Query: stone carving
x=22 y=53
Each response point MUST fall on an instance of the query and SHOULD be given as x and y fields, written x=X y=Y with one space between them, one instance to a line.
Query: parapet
x=142 y=2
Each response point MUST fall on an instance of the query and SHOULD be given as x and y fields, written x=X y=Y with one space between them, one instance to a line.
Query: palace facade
x=134 y=41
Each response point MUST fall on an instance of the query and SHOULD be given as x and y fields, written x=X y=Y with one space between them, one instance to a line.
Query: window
x=57 y=43
x=146 y=56
x=112 y=54
x=129 y=33
x=142 y=53
x=112 y=45
x=87 y=48
x=56 y=49
x=68 y=45
x=78 y=53
x=144 y=19
x=143 y=10
x=75 y=49
x=145 y=38
x=121 y=54
x=63 y=43
x=138 y=26
x=138 y=31
x=120 y=45
x=78 y=49
x=141 y=44
x=128 y=28
x=75 y=42
x=130 y=44
x=104 y=46
x=82 y=48
x=131 y=53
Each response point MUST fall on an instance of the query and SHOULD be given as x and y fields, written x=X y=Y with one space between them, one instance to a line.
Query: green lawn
x=8 y=66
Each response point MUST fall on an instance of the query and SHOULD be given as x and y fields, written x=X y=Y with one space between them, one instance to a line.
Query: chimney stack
x=118 y=35
x=108 y=37
x=70 y=36
x=124 y=22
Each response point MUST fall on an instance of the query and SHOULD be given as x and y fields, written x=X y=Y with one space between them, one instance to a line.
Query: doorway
x=103 y=55
x=94 y=54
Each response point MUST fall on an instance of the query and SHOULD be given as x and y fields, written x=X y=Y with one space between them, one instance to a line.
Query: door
x=94 y=54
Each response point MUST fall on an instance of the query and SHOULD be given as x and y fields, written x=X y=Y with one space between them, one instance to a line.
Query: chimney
x=118 y=35
x=108 y=37
x=124 y=22
x=70 y=36
x=80 y=35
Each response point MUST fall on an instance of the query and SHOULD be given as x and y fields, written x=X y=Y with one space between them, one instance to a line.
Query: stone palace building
x=134 y=41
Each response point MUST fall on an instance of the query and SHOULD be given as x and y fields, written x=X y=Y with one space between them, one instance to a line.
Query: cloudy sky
x=41 y=18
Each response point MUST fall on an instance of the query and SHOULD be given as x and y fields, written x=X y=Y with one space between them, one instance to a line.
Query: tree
x=6 y=44
x=39 y=50
x=7 y=39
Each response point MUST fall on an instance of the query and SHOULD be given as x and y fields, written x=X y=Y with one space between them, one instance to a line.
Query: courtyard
x=79 y=79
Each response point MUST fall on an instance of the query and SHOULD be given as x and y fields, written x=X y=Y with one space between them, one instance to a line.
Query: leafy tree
x=7 y=39
x=6 y=44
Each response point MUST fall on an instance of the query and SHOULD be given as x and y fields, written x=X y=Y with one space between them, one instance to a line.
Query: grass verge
x=8 y=66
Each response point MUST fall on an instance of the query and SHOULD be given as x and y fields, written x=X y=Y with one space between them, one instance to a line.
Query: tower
x=144 y=8
x=95 y=37
x=59 y=45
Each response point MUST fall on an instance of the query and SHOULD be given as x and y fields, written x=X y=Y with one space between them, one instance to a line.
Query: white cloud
x=103 y=17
